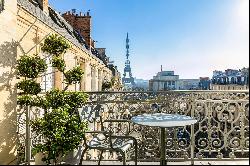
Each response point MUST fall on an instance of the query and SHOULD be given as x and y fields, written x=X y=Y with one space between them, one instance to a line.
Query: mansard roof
x=57 y=23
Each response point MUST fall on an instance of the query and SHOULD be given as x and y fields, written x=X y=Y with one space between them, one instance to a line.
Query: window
x=1 y=5
x=47 y=82
x=77 y=85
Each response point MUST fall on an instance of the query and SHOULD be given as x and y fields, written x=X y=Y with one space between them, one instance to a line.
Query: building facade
x=117 y=81
x=24 y=24
x=8 y=56
x=204 y=83
x=230 y=79
x=164 y=80
x=167 y=80
x=188 y=84
x=36 y=20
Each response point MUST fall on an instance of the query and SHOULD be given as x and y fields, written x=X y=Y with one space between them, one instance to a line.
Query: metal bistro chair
x=105 y=139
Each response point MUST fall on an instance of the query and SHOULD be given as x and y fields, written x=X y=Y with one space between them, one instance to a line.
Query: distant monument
x=127 y=80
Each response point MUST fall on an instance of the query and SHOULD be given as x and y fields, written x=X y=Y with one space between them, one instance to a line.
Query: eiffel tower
x=127 y=80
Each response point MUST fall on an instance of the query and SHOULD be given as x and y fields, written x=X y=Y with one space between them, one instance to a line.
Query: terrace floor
x=237 y=162
x=241 y=162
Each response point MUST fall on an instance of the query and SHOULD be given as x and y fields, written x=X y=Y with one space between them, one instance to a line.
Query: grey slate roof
x=56 y=22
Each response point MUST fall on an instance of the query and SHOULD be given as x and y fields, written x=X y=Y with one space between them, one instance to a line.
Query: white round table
x=163 y=121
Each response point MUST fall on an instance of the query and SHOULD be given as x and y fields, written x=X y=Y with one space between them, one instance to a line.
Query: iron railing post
x=192 y=130
x=28 y=137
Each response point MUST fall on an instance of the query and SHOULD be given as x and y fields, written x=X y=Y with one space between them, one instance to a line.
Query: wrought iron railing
x=221 y=133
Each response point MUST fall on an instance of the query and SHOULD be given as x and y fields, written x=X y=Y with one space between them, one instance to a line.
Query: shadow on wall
x=8 y=116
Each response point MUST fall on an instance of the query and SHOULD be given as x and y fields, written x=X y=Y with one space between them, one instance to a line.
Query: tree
x=61 y=126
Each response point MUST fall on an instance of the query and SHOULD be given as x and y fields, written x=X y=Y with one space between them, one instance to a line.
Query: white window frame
x=48 y=75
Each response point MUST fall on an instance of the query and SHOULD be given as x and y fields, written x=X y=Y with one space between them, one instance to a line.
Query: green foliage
x=112 y=81
x=58 y=63
x=56 y=98
x=74 y=75
x=112 y=84
x=63 y=133
x=30 y=67
x=106 y=85
x=29 y=87
x=25 y=100
x=75 y=99
x=55 y=45
x=60 y=127
x=31 y=100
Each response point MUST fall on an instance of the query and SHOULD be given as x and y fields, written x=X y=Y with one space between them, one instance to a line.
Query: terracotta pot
x=38 y=159
x=39 y=156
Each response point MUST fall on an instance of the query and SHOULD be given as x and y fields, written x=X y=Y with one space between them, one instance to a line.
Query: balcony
x=220 y=135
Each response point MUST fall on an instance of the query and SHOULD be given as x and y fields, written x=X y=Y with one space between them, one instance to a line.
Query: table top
x=163 y=120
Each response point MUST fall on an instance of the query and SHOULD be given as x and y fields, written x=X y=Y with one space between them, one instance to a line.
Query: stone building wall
x=8 y=136
x=23 y=27
x=229 y=87
x=32 y=31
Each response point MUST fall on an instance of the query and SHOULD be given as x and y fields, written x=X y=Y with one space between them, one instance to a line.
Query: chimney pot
x=44 y=4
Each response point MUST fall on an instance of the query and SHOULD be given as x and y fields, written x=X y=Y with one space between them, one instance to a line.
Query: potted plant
x=108 y=85
x=60 y=127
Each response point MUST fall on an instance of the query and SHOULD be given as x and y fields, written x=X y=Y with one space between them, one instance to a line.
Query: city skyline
x=192 y=38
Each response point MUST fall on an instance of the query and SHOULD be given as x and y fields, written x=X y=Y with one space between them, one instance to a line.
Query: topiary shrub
x=29 y=87
x=74 y=75
x=60 y=127
x=55 y=45
x=30 y=66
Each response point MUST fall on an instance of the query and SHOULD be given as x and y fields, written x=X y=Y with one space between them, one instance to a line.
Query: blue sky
x=191 y=37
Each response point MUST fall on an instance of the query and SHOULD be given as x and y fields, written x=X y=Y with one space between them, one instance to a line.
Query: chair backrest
x=155 y=108
x=92 y=114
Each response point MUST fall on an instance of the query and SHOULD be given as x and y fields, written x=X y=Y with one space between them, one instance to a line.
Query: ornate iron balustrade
x=221 y=133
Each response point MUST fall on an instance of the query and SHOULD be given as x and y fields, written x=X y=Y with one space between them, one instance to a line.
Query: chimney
x=44 y=5
x=81 y=23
